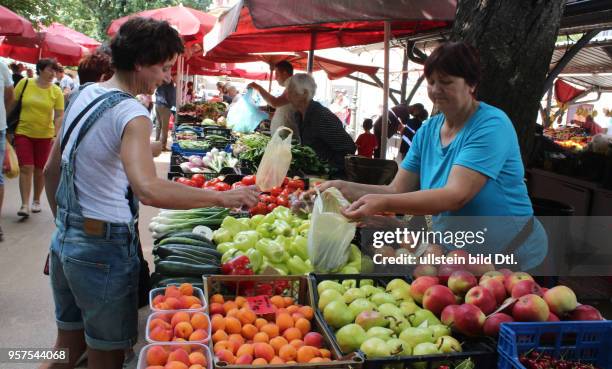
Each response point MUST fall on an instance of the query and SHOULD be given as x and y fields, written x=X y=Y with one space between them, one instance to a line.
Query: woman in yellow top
x=42 y=109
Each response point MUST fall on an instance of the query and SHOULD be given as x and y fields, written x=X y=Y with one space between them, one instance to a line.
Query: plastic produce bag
x=276 y=160
x=244 y=116
x=10 y=167
x=330 y=233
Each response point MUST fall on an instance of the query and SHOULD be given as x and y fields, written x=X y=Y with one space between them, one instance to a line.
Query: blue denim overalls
x=94 y=265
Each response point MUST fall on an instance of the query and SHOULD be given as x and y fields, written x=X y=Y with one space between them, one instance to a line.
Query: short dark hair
x=14 y=67
x=367 y=124
x=96 y=66
x=144 y=41
x=46 y=62
x=457 y=59
x=284 y=66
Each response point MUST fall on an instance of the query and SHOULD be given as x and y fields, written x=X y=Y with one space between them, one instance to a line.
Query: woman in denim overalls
x=93 y=260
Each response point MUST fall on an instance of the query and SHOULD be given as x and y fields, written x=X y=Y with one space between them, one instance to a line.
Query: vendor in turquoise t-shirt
x=464 y=166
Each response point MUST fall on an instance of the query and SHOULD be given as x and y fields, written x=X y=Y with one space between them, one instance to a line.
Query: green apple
x=353 y=294
x=328 y=296
x=375 y=347
x=440 y=330
x=360 y=305
x=414 y=336
x=326 y=285
x=447 y=344
x=337 y=314
x=382 y=298
x=380 y=332
x=350 y=337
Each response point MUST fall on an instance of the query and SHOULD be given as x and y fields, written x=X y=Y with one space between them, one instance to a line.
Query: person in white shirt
x=65 y=81
x=7 y=97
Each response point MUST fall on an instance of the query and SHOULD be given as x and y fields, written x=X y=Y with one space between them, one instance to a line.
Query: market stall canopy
x=56 y=41
x=12 y=24
x=564 y=92
x=256 y=26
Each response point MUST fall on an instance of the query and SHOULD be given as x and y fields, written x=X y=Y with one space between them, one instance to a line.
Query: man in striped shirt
x=319 y=127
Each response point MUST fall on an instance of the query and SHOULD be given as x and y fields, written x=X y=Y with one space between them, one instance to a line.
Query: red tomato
x=282 y=201
x=272 y=199
x=199 y=179
x=186 y=181
x=271 y=207
x=286 y=192
x=222 y=186
x=275 y=191
x=237 y=185
x=248 y=180
x=285 y=181
x=296 y=184
x=214 y=181
x=260 y=208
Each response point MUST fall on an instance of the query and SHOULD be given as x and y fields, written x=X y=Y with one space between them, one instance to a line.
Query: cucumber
x=187 y=241
x=166 y=253
x=175 y=268
x=196 y=249
x=183 y=259
x=191 y=235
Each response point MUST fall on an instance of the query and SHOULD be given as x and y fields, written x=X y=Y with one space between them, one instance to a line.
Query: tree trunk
x=516 y=39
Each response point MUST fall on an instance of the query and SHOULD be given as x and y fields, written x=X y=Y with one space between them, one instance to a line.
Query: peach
x=292 y=334
x=220 y=335
x=246 y=349
x=306 y=353
x=245 y=359
x=226 y=355
x=249 y=331
x=160 y=334
x=270 y=329
x=156 y=355
x=181 y=316
x=233 y=325
x=287 y=353
x=277 y=360
x=186 y=289
x=303 y=325
x=217 y=298
x=263 y=350
x=199 y=321
x=197 y=358
x=176 y=365
x=261 y=337
x=278 y=342
x=313 y=339
x=198 y=335
x=179 y=355
x=259 y=361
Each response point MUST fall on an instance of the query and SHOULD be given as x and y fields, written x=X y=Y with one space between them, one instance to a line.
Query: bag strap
x=23 y=90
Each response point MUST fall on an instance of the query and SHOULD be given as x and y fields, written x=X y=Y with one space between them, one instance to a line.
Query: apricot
x=197 y=358
x=307 y=353
x=260 y=322
x=178 y=317
x=232 y=313
x=229 y=305
x=278 y=342
x=261 y=337
x=160 y=334
x=297 y=343
x=219 y=335
x=184 y=302
x=277 y=360
x=198 y=335
x=217 y=322
x=245 y=359
x=155 y=367
x=287 y=353
x=307 y=311
x=173 y=303
x=237 y=339
x=288 y=301
x=292 y=309
x=246 y=349
x=259 y=361
x=183 y=330
x=226 y=355
x=186 y=289
x=179 y=355
x=317 y=360
x=263 y=350
x=158 y=299
x=270 y=329
x=240 y=301
x=195 y=306
x=284 y=321
x=199 y=321
x=191 y=300
x=172 y=291
x=297 y=316
x=196 y=366
x=292 y=334
x=217 y=298
x=232 y=325
x=216 y=308
x=225 y=345
x=246 y=316
x=249 y=331
x=176 y=365
x=303 y=325
x=156 y=355
x=278 y=301
x=157 y=322
x=325 y=353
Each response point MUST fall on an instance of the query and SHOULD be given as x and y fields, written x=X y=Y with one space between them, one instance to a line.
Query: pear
x=397 y=325
x=382 y=298
x=414 y=336
x=350 y=337
x=359 y=305
x=390 y=309
x=422 y=315
x=399 y=347
x=328 y=296
x=349 y=283
x=369 y=290
x=337 y=314
x=367 y=264
x=402 y=294
x=326 y=285
x=366 y=282
x=447 y=344
x=396 y=283
x=380 y=332
x=375 y=347
x=440 y=330
x=409 y=308
x=425 y=348
x=353 y=294
x=369 y=319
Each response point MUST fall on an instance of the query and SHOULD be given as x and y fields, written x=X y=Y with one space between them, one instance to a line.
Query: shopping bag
x=276 y=160
x=330 y=233
x=10 y=167
x=244 y=116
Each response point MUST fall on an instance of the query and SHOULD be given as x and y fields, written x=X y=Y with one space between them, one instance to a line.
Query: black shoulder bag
x=12 y=120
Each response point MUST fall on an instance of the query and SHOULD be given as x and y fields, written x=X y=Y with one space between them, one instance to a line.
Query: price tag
x=261 y=305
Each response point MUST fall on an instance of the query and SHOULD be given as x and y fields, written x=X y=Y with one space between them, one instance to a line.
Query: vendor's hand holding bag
x=244 y=116
x=276 y=160
x=330 y=233
x=13 y=117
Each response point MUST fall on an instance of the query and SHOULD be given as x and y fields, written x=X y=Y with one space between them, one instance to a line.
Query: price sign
x=261 y=305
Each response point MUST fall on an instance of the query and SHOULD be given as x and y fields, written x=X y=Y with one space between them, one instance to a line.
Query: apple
x=420 y=285
x=425 y=269
x=530 y=308
x=445 y=270
x=482 y=298
x=438 y=297
x=585 y=312
x=526 y=287
x=435 y=250
x=459 y=254
x=506 y=272
x=494 y=274
x=448 y=315
x=448 y=345
x=553 y=318
x=315 y=339
x=337 y=314
x=461 y=281
x=561 y=300
x=496 y=287
x=480 y=269
x=469 y=320
x=513 y=279
x=349 y=337
x=492 y=324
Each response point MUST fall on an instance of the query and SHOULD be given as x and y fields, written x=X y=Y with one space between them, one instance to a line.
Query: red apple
x=506 y=272
x=491 y=325
x=585 y=312
x=461 y=281
x=494 y=274
x=530 y=308
x=469 y=320
x=513 y=279
x=438 y=297
x=480 y=269
x=434 y=249
x=561 y=300
x=420 y=285
x=496 y=288
x=445 y=270
x=448 y=315
x=314 y=339
x=424 y=269
x=526 y=287
x=459 y=254
x=482 y=298
x=552 y=318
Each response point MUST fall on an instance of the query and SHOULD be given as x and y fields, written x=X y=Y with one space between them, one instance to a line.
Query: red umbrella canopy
x=77 y=37
x=12 y=24
x=190 y=23
x=319 y=24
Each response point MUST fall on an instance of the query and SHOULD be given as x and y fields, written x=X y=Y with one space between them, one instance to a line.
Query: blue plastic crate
x=587 y=342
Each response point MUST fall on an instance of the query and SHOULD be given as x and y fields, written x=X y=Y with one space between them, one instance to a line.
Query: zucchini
x=183 y=259
x=175 y=268
x=166 y=253
x=187 y=241
x=196 y=249
x=191 y=235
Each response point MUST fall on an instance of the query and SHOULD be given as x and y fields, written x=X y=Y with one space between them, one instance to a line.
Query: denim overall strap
x=66 y=193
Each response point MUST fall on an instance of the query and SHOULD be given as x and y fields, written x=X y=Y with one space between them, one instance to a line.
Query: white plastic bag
x=275 y=162
x=330 y=233
x=244 y=116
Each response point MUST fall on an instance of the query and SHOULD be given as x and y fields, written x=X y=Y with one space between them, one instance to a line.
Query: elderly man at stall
x=319 y=127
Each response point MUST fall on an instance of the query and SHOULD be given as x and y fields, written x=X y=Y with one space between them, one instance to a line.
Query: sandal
x=23 y=211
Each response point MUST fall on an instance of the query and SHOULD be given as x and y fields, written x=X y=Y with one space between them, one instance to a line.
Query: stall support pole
x=271 y=72
x=313 y=42
x=385 y=112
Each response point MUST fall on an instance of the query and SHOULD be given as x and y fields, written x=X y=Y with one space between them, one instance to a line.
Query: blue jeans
x=2 y=151
x=95 y=282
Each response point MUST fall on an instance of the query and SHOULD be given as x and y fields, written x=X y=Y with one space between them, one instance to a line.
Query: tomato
x=296 y=184
x=275 y=191
x=214 y=181
x=186 y=181
x=237 y=185
x=222 y=186
x=248 y=180
x=260 y=208
x=271 y=207
x=272 y=199
x=285 y=181
x=199 y=179
x=286 y=192
x=282 y=201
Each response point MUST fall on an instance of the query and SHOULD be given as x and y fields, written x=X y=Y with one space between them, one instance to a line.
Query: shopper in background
x=165 y=100
x=189 y=94
x=29 y=73
x=230 y=93
x=7 y=97
x=366 y=142
x=411 y=126
x=16 y=73
x=398 y=115
x=66 y=83
x=40 y=119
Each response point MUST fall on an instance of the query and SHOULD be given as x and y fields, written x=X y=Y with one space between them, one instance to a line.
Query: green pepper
x=233 y=225
x=256 y=259
x=285 y=242
x=297 y=266
x=245 y=222
x=278 y=267
x=269 y=218
x=265 y=230
x=271 y=250
x=299 y=247
x=281 y=228
x=282 y=213
x=303 y=229
x=256 y=220
x=222 y=235
x=229 y=254
x=246 y=240
x=223 y=247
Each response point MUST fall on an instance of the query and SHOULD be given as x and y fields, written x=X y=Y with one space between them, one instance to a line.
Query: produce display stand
x=232 y=286
x=481 y=351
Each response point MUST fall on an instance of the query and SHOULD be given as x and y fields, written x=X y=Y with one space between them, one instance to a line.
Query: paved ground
x=26 y=304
